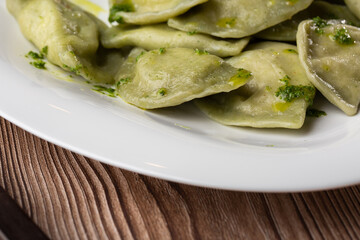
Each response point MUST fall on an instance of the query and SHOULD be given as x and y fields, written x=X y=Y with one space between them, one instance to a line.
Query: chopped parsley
x=44 y=50
x=319 y=24
x=123 y=7
x=38 y=59
x=34 y=55
x=201 y=52
x=162 y=50
x=139 y=56
x=162 y=92
x=315 y=113
x=343 y=37
x=75 y=69
x=40 y=64
x=288 y=92
x=286 y=80
x=243 y=73
x=123 y=81
x=191 y=33
x=106 y=91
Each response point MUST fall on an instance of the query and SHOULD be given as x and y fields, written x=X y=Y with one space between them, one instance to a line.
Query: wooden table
x=72 y=197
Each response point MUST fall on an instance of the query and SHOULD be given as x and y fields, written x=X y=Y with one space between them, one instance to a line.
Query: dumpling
x=277 y=96
x=329 y=52
x=158 y=36
x=70 y=35
x=237 y=18
x=169 y=77
x=286 y=31
x=354 y=6
x=148 y=11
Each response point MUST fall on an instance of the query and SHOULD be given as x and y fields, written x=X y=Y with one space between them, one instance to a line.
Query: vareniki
x=162 y=53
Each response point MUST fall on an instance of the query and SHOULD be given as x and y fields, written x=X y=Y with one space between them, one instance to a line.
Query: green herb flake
x=315 y=113
x=75 y=69
x=288 y=93
x=139 y=56
x=201 y=52
x=243 y=73
x=286 y=80
x=192 y=33
x=123 y=7
x=111 y=92
x=290 y=51
x=123 y=81
x=44 y=50
x=319 y=24
x=40 y=64
x=162 y=50
x=162 y=92
x=343 y=37
x=34 y=55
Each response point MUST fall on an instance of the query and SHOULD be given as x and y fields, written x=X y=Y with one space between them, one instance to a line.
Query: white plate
x=178 y=144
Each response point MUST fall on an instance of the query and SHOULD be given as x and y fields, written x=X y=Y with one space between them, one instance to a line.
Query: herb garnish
x=139 y=56
x=315 y=113
x=123 y=81
x=44 y=50
x=162 y=92
x=319 y=24
x=201 y=52
x=124 y=7
x=40 y=64
x=106 y=91
x=343 y=37
x=38 y=57
x=288 y=93
x=34 y=55
x=162 y=50
x=75 y=69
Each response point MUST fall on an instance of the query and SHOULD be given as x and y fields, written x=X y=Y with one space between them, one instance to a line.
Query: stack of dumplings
x=255 y=63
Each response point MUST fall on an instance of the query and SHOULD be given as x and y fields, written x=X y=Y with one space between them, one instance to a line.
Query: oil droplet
x=226 y=22
x=241 y=78
x=89 y=6
x=281 y=106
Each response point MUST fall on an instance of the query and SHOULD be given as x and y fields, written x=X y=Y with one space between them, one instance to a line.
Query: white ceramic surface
x=178 y=144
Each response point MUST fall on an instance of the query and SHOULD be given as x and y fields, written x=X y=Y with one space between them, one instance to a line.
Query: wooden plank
x=73 y=197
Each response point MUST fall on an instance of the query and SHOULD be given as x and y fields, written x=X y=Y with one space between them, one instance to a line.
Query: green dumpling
x=329 y=52
x=286 y=31
x=158 y=36
x=277 y=96
x=148 y=11
x=237 y=18
x=70 y=35
x=169 y=77
x=354 y=6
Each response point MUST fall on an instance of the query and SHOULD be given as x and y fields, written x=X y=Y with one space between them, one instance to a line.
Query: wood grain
x=12 y=218
x=72 y=197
